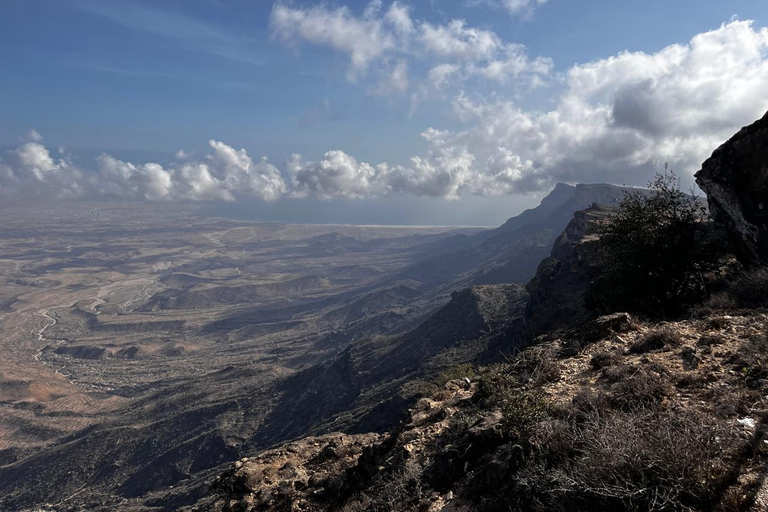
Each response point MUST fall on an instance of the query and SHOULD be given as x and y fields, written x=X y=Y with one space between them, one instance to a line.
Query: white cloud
x=225 y=174
x=34 y=136
x=521 y=7
x=190 y=32
x=617 y=120
x=395 y=81
x=337 y=174
x=384 y=39
x=363 y=39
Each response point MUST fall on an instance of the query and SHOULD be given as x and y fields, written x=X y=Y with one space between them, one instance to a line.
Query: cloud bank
x=616 y=120
x=30 y=171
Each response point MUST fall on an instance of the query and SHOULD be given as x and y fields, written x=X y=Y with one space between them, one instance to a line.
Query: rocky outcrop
x=511 y=252
x=360 y=389
x=735 y=179
x=557 y=292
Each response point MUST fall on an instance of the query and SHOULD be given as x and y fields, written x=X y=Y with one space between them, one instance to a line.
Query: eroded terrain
x=119 y=317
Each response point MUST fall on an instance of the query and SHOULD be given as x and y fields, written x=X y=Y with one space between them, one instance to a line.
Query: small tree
x=654 y=250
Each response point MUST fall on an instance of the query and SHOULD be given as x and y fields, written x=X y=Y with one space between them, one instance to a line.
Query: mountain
x=319 y=347
x=608 y=413
x=511 y=252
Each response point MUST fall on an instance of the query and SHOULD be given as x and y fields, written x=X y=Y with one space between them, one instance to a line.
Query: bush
x=637 y=390
x=654 y=250
x=522 y=409
x=536 y=366
x=399 y=490
x=717 y=303
x=750 y=289
x=655 y=340
x=751 y=362
x=495 y=383
x=602 y=360
x=649 y=460
x=458 y=372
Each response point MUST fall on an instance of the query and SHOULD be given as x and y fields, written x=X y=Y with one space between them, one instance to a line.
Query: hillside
x=616 y=412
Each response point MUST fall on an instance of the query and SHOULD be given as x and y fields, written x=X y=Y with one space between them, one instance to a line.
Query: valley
x=142 y=346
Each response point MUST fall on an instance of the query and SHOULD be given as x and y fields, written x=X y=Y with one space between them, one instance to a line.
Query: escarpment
x=735 y=179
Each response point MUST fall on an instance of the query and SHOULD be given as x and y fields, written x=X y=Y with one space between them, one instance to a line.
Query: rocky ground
x=459 y=444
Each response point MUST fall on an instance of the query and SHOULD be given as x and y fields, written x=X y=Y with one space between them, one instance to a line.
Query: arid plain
x=114 y=315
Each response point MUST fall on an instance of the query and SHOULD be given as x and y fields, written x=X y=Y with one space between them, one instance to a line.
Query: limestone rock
x=735 y=179
x=607 y=325
x=557 y=292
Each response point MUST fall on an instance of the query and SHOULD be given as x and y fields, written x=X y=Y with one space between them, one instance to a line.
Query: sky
x=439 y=112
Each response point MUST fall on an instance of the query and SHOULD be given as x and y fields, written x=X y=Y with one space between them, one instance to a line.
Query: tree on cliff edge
x=654 y=251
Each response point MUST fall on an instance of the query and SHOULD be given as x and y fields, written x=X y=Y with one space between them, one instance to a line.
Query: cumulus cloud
x=617 y=120
x=386 y=39
x=30 y=172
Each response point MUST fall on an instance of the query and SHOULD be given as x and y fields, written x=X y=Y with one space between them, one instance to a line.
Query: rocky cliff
x=608 y=413
x=622 y=425
x=735 y=179
x=557 y=291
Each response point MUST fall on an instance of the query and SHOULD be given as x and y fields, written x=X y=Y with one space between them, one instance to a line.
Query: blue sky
x=535 y=92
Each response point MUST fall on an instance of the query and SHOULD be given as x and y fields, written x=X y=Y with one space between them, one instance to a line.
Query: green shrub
x=522 y=409
x=654 y=251
x=495 y=382
x=458 y=372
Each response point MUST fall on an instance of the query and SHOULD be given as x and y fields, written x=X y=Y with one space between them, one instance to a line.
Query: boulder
x=735 y=179
x=607 y=325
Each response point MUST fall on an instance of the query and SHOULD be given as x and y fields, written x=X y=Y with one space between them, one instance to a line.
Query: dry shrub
x=536 y=366
x=636 y=389
x=656 y=340
x=603 y=359
x=751 y=362
x=441 y=395
x=647 y=460
x=716 y=304
x=522 y=409
x=399 y=490
x=749 y=290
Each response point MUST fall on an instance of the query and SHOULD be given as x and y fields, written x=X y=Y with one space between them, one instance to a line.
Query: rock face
x=735 y=179
x=556 y=294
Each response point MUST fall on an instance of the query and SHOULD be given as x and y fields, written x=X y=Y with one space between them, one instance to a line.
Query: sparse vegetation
x=751 y=362
x=750 y=289
x=522 y=409
x=602 y=360
x=458 y=372
x=636 y=389
x=655 y=340
x=536 y=366
x=397 y=491
x=646 y=460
